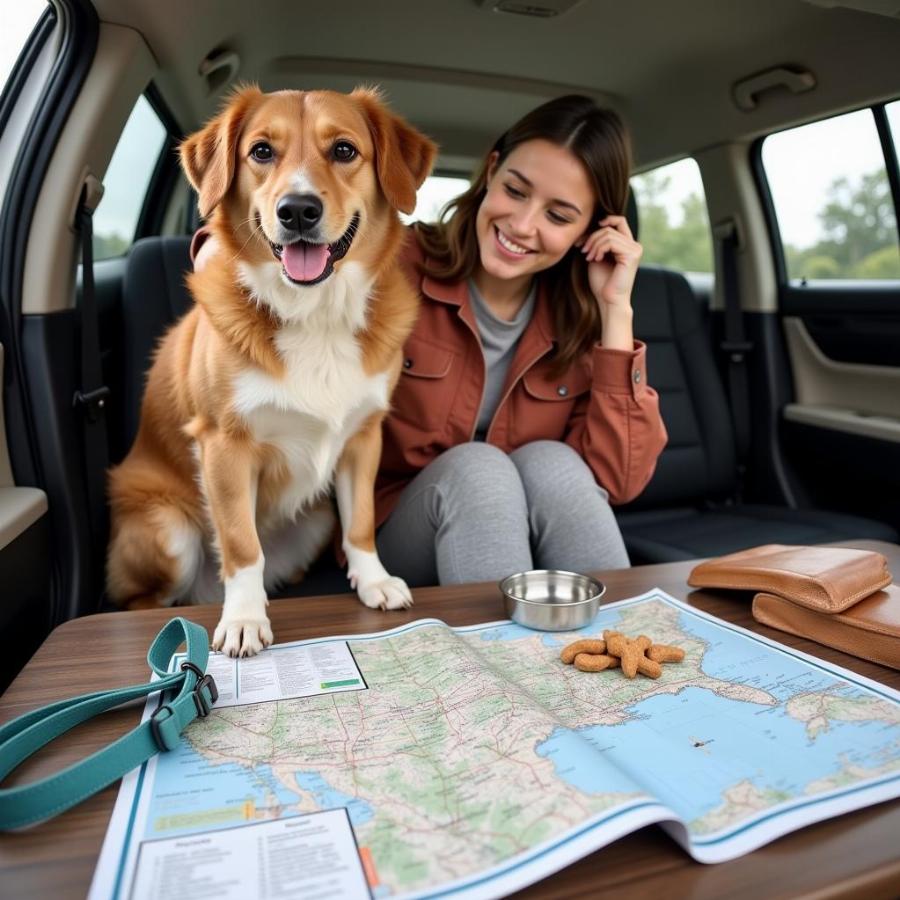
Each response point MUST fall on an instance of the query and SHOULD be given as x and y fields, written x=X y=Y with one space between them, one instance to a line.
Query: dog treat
x=585 y=646
x=663 y=653
x=631 y=652
x=595 y=662
x=649 y=668
x=633 y=655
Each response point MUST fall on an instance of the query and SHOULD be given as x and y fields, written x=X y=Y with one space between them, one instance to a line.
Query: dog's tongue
x=304 y=262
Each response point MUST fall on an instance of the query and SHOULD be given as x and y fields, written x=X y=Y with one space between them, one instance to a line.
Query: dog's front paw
x=391 y=593
x=242 y=637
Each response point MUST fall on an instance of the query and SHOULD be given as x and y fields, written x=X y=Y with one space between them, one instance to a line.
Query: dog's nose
x=299 y=212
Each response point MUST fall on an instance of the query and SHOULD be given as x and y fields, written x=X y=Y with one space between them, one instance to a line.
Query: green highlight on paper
x=330 y=684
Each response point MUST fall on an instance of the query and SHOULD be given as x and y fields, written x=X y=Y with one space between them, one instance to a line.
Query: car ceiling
x=462 y=71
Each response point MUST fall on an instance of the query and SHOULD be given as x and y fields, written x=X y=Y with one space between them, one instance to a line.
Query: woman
x=523 y=408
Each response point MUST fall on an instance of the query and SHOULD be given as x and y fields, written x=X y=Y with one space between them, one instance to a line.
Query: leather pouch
x=825 y=579
x=870 y=629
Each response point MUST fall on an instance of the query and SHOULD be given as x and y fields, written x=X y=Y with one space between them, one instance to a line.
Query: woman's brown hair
x=596 y=137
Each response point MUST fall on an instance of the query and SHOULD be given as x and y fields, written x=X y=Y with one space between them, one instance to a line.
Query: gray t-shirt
x=499 y=340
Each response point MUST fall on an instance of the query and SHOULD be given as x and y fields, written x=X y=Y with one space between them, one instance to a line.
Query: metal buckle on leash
x=203 y=681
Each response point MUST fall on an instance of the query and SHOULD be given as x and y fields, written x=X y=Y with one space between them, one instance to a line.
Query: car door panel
x=841 y=433
x=24 y=570
x=859 y=323
x=821 y=381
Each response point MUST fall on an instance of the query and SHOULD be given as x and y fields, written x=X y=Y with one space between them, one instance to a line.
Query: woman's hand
x=613 y=256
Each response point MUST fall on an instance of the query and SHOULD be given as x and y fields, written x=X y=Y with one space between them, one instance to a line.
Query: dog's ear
x=208 y=155
x=403 y=156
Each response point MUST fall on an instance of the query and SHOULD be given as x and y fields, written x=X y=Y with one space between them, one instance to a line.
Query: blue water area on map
x=686 y=749
x=578 y=763
x=743 y=660
x=185 y=782
x=328 y=798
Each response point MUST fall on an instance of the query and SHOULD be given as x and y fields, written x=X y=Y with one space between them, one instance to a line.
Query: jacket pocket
x=546 y=405
x=541 y=385
x=427 y=385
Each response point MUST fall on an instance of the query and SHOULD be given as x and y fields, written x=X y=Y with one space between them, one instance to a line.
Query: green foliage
x=107 y=246
x=883 y=263
x=813 y=265
x=686 y=246
x=859 y=233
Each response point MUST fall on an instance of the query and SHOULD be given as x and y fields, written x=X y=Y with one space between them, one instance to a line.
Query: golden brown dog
x=272 y=389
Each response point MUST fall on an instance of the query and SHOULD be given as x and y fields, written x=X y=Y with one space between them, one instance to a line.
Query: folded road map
x=468 y=762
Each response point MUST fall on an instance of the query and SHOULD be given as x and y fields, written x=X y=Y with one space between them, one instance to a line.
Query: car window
x=126 y=181
x=832 y=199
x=19 y=19
x=673 y=222
x=436 y=192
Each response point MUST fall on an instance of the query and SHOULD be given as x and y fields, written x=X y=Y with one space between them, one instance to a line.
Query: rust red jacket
x=603 y=406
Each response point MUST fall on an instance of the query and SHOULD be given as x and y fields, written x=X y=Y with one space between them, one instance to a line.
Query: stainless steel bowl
x=551 y=600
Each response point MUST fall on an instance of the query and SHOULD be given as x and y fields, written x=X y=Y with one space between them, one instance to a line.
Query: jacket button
x=636 y=376
x=407 y=363
x=562 y=390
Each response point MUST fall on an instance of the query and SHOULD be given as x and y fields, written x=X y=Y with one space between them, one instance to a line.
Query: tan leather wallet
x=870 y=629
x=826 y=579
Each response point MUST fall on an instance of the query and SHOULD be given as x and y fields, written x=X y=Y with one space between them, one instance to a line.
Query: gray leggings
x=479 y=514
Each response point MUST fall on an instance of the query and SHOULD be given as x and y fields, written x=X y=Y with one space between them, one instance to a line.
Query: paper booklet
x=469 y=762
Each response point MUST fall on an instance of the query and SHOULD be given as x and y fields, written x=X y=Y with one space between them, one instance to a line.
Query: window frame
x=166 y=171
x=889 y=149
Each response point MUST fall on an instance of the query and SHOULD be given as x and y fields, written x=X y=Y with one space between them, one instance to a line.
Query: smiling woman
x=569 y=147
x=537 y=403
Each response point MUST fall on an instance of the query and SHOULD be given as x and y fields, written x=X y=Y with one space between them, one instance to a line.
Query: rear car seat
x=154 y=296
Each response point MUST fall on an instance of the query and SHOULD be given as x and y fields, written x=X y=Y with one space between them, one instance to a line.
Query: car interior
x=776 y=353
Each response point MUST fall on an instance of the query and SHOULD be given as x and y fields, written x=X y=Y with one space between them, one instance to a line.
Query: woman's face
x=539 y=201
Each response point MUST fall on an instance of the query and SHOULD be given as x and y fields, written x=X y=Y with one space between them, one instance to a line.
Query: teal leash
x=196 y=693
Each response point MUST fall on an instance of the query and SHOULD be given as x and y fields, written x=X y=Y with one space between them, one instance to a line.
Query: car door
x=833 y=189
x=27 y=53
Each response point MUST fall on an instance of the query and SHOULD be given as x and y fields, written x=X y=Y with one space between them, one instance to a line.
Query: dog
x=271 y=391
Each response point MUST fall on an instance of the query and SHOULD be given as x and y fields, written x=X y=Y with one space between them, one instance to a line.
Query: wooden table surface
x=854 y=855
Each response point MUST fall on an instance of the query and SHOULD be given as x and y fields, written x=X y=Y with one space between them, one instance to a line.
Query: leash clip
x=155 y=730
x=203 y=681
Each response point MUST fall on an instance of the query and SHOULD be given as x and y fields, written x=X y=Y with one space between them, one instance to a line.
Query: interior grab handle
x=746 y=92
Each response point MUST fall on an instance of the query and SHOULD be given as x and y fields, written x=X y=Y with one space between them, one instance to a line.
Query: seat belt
x=735 y=345
x=186 y=695
x=92 y=397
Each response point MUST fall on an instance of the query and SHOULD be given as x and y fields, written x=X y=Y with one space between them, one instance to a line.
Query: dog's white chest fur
x=310 y=413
